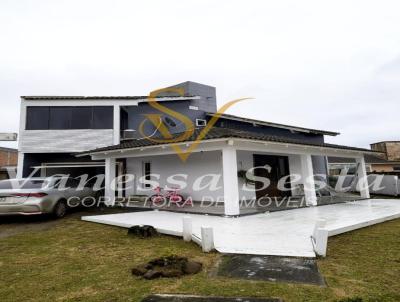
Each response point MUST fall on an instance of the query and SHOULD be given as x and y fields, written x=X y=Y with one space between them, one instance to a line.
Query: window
x=81 y=118
x=103 y=117
x=60 y=118
x=396 y=168
x=37 y=118
x=200 y=122
x=146 y=173
x=63 y=117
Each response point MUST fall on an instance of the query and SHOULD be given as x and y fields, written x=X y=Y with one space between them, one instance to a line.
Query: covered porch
x=214 y=173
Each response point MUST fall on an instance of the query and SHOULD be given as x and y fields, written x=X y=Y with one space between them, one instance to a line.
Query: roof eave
x=106 y=98
x=287 y=127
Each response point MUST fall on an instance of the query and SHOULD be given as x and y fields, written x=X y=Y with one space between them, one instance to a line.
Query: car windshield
x=22 y=184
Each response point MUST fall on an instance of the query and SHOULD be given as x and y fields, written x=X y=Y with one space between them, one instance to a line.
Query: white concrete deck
x=283 y=233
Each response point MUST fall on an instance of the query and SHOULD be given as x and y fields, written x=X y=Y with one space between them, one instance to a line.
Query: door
x=276 y=167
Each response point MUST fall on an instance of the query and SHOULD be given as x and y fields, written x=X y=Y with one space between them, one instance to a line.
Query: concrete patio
x=281 y=233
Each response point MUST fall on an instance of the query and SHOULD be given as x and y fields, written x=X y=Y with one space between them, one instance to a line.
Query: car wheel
x=60 y=209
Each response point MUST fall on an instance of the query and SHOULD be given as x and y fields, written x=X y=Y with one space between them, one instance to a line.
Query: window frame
x=201 y=122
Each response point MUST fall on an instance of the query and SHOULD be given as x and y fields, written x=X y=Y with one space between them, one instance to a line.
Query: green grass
x=81 y=261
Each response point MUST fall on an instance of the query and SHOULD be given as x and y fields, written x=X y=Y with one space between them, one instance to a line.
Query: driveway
x=14 y=225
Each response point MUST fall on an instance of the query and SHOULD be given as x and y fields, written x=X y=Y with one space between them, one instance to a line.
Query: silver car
x=33 y=196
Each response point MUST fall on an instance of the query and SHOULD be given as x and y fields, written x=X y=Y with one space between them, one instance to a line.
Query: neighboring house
x=8 y=161
x=387 y=161
x=391 y=151
x=101 y=134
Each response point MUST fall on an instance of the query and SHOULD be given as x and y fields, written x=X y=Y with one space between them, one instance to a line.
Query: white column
x=362 y=177
x=109 y=183
x=307 y=175
x=20 y=166
x=120 y=181
x=187 y=228
x=207 y=239
x=116 y=126
x=22 y=126
x=230 y=180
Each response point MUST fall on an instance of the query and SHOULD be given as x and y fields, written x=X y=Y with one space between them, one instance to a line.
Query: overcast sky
x=331 y=65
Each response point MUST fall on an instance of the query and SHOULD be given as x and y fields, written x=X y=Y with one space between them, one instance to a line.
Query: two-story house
x=113 y=135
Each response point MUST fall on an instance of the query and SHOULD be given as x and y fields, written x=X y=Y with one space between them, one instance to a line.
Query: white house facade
x=95 y=135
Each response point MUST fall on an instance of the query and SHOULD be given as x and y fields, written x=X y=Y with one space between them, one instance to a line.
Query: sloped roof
x=369 y=159
x=265 y=123
x=66 y=98
x=6 y=149
x=222 y=133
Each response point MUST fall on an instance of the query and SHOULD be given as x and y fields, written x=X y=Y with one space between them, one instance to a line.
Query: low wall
x=384 y=184
x=378 y=184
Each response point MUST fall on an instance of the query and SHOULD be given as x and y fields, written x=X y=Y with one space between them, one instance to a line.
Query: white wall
x=47 y=141
x=295 y=169
x=197 y=165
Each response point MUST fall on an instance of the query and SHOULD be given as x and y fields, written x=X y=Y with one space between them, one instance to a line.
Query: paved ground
x=13 y=225
x=283 y=233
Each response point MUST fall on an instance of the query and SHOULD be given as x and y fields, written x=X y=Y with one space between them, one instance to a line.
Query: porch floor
x=281 y=233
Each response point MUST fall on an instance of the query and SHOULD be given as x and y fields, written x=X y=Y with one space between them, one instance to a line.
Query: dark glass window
x=37 y=118
x=72 y=183
x=60 y=118
x=103 y=117
x=81 y=118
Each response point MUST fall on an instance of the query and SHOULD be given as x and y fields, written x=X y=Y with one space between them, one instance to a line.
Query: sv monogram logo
x=168 y=138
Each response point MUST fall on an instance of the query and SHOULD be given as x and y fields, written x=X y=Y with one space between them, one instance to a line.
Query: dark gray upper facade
x=203 y=108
